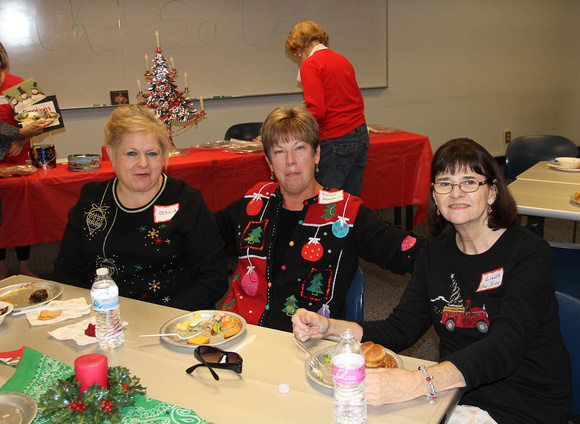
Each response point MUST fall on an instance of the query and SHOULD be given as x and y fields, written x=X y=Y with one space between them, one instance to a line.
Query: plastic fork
x=171 y=334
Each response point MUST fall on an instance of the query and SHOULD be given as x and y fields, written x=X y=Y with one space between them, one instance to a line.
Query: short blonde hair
x=282 y=125
x=133 y=119
x=4 y=63
x=303 y=34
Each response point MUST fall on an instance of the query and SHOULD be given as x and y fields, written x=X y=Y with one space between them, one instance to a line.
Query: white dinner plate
x=18 y=294
x=575 y=199
x=17 y=408
x=326 y=378
x=561 y=168
x=214 y=340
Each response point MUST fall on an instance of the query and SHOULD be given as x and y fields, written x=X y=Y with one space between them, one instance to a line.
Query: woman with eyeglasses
x=486 y=285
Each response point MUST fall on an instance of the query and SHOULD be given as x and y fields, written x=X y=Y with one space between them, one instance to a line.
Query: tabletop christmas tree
x=164 y=97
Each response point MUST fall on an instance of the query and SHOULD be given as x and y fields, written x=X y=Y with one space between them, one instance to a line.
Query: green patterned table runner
x=36 y=372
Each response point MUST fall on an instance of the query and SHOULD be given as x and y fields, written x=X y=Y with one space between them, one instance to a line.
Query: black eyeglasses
x=214 y=357
x=467 y=186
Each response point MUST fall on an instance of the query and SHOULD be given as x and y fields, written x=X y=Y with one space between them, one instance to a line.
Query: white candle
x=172 y=62
x=157 y=39
x=139 y=85
x=146 y=63
x=186 y=83
x=201 y=103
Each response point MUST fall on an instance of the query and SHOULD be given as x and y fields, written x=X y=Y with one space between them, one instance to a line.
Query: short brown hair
x=464 y=153
x=132 y=119
x=282 y=125
x=4 y=63
x=303 y=34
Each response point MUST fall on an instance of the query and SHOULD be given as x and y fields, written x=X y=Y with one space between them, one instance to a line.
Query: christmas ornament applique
x=250 y=281
x=254 y=206
x=291 y=306
x=253 y=235
x=340 y=227
x=96 y=218
x=459 y=313
x=317 y=285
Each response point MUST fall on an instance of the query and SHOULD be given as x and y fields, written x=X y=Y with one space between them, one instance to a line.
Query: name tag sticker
x=164 y=213
x=326 y=197
x=3 y=100
x=491 y=280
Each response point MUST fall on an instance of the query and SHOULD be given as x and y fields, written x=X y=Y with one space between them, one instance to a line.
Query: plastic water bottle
x=348 y=373
x=105 y=297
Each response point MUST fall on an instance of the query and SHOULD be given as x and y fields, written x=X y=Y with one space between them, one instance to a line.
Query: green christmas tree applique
x=315 y=287
x=254 y=236
x=329 y=211
x=291 y=306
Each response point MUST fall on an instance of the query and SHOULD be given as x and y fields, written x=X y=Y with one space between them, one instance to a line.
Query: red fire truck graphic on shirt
x=465 y=317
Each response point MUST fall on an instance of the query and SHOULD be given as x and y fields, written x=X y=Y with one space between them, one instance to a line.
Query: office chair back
x=355 y=298
x=567 y=268
x=569 y=319
x=246 y=131
x=524 y=152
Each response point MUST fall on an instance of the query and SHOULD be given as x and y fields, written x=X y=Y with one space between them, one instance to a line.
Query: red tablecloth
x=35 y=207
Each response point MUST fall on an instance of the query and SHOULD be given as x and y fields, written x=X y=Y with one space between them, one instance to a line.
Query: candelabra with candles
x=164 y=97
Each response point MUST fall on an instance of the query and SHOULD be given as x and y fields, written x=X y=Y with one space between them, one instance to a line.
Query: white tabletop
x=271 y=359
x=547 y=172
x=547 y=199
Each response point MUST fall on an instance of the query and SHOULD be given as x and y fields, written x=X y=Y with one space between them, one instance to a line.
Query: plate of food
x=31 y=294
x=576 y=198
x=246 y=148
x=207 y=327
x=16 y=407
x=376 y=356
x=25 y=117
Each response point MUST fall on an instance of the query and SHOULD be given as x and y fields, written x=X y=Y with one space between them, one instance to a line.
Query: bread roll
x=375 y=354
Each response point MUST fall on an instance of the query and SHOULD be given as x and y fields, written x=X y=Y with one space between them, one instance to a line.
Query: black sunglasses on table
x=214 y=357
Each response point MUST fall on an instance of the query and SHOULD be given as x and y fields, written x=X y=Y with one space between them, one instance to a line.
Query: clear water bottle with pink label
x=348 y=373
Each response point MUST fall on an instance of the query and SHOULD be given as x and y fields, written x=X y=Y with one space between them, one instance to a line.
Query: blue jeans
x=343 y=160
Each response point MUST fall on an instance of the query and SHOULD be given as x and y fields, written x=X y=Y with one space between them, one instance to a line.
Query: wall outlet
x=507 y=136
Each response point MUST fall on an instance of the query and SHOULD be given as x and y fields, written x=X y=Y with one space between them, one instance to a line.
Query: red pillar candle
x=91 y=369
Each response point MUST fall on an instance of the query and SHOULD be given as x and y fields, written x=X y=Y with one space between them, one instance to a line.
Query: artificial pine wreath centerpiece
x=64 y=403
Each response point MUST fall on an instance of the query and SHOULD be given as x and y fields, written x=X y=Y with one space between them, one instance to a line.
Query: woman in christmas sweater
x=332 y=95
x=155 y=233
x=298 y=242
x=487 y=287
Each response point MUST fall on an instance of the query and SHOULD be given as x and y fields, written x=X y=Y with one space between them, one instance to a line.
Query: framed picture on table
x=47 y=109
x=119 y=97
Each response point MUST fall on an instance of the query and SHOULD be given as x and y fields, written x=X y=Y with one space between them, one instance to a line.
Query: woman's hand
x=307 y=324
x=393 y=385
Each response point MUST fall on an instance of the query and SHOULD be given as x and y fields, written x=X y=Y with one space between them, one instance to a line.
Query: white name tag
x=164 y=213
x=3 y=100
x=326 y=197
x=491 y=280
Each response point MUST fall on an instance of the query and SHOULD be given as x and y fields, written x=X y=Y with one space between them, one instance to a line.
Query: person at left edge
x=299 y=242
x=155 y=233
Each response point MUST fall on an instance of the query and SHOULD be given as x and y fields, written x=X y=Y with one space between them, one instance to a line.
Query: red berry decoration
x=312 y=251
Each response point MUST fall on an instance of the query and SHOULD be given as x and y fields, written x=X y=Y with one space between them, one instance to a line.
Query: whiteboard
x=81 y=50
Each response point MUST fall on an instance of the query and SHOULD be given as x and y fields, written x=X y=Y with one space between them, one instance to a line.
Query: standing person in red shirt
x=332 y=95
x=17 y=155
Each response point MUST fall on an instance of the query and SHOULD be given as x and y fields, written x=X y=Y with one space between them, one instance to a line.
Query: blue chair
x=246 y=131
x=524 y=152
x=355 y=298
x=569 y=319
x=567 y=268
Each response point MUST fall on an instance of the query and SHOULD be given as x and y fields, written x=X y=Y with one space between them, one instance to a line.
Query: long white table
x=545 y=191
x=271 y=359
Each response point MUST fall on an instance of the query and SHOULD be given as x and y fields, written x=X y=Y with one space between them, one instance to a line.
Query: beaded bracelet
x=431 y=394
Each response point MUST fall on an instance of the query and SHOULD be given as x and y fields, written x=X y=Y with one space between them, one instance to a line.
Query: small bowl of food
x=570 y=163
x=5 y=309
x=84 y=162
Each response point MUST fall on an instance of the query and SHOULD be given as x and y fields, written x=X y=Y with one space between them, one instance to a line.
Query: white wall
x=457 y=68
